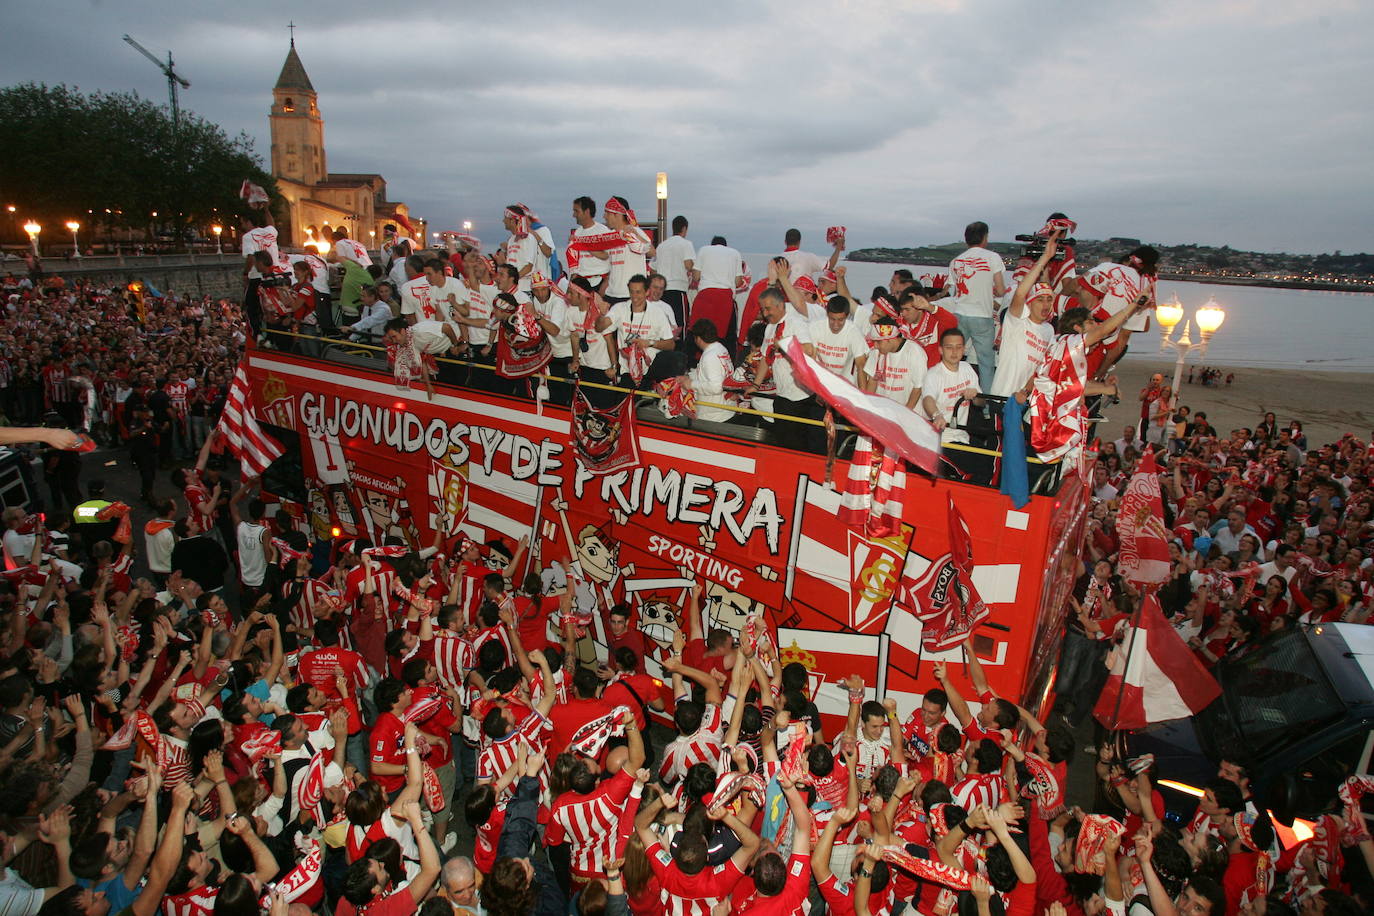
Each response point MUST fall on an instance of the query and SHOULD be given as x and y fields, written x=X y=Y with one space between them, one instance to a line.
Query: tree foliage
x=69 y=153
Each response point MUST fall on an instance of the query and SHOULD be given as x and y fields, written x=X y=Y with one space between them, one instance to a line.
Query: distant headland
x=1194 y=263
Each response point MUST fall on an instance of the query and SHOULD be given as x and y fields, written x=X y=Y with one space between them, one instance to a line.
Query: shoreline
x=1366 y=288
x=1328 y=403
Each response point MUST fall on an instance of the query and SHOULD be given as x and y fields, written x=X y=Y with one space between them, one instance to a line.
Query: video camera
x=1034 y=245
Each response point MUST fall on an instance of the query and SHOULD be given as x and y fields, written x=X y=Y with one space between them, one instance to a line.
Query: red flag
x=899 y=430
x=254 y=448
x=1161 y=680
x=604 y=440
x=944 y=597
x=1140 y=523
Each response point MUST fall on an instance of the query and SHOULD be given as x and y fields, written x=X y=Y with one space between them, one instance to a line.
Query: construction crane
x=173 y=78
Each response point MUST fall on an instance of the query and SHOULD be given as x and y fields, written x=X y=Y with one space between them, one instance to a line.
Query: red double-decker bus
x=755 y=524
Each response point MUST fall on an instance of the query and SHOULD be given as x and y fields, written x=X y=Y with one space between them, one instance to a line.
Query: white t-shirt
x=262 y=239
x=972 y=274
x=522 y=252
x=897 y=374
x=837 y=352
x=671 y=260
x=591 y=268
x=1121 y=285
x=415 y=299
x=708 y=382
x=804 y=263
x=626 y=261
x=947 y=386
x=319 y=270
x=429 y=337
x=719 y=266
x=667 y=311
x=648 y=324
x=353 y=251
x=1024 y=345
x=479 y=302
x=556 y=310
x=596 y=355
x=791 y=326
x=438 y=296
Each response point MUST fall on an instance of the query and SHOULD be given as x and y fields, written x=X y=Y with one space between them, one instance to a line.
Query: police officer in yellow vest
x=86 y=517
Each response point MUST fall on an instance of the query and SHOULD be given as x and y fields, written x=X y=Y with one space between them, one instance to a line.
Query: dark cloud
x=1227 y=122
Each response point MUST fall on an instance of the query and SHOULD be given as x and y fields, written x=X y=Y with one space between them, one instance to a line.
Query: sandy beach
x=1328 y=404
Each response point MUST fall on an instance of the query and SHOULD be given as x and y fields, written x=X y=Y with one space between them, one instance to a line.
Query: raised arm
x=957 y=704
x=265 y=866
x=168 y=856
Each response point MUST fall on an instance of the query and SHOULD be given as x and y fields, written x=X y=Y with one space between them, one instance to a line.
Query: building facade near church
x=317 y=200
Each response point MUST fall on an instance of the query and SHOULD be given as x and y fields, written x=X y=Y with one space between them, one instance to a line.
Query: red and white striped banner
x=254 y=448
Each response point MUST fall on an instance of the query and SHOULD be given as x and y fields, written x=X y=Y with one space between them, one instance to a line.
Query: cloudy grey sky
x=1235 y=122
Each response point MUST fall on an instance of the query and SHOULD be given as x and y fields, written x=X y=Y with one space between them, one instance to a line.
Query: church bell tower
x=297 y=128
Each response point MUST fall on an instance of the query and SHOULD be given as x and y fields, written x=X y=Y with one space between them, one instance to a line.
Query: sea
x=1264 y=327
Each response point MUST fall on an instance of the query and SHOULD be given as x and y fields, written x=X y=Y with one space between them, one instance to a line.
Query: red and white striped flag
x=254 y=449
x=900 y=431
x=1157 y=678
x=1140 y=523
x=874 y=511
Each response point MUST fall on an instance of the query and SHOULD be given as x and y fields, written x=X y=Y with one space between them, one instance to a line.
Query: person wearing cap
x=1026 y=329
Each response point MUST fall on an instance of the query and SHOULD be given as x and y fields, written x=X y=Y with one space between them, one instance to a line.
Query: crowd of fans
x=256 y=725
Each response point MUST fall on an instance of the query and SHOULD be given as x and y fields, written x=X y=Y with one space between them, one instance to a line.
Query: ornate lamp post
x=1209 y=318
x=73 y=225
x=217 y=229
x=33 y=229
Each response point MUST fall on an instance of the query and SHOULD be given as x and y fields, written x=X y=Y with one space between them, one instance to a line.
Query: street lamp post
x=372 y=234
x=33 y=229
x=1209 y=317
x=661 y=191
x=217 y=229
x=73 y=225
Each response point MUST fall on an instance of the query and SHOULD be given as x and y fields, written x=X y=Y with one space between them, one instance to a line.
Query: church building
x=318 y=200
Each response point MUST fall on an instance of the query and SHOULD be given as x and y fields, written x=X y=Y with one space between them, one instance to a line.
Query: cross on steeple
x=292 y=27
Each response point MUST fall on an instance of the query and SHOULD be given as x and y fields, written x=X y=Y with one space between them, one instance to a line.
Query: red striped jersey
x=702 y=746
x=497 y=756
x=978 y=789
x=590 y=823
x=792 y=901
x=691 y=895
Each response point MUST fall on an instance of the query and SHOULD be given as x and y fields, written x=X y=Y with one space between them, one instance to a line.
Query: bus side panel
x=754 y=524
